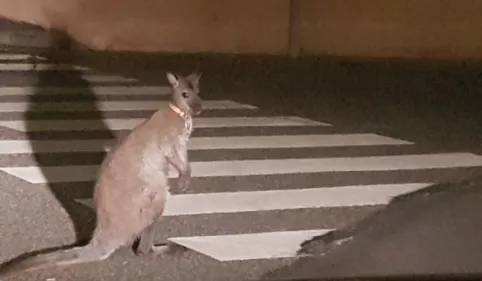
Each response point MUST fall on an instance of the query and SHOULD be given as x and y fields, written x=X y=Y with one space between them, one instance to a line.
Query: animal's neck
x=185 y=116
x=178 y=110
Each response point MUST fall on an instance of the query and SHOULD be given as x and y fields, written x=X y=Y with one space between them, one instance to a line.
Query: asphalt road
x=431 y=234
x=40 y=206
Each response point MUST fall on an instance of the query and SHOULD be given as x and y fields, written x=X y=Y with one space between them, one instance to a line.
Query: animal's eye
x=185 y=95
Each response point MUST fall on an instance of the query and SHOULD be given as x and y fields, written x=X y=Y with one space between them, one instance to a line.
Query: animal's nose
x=200 y=108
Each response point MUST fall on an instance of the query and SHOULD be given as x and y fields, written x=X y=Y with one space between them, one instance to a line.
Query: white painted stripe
x=205 y=143
x=130 y=123
x=293 y=141
x=52 y=146
x=98 y=90
x=98 y=78
x=291 y=199
x=39 y=67
x=338 y=164
x=110 y=105
x=35 y=174
x=249 y=246
x=17 y=57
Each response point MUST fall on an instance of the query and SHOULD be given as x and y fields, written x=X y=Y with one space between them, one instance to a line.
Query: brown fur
x=132 y=185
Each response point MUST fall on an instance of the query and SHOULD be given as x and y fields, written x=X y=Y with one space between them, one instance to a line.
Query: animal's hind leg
x=146 y=238
x=146 y=243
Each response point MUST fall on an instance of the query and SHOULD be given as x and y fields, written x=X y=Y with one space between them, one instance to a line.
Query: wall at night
x=380 y=28
x=408 y=28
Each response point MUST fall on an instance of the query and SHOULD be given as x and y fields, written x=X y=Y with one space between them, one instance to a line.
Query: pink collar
x=177 y=110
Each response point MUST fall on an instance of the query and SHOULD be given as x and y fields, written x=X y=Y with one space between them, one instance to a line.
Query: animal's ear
x=172 y=79
x=194 y=77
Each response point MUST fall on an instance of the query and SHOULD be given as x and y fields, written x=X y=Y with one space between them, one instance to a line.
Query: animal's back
x=133 y=182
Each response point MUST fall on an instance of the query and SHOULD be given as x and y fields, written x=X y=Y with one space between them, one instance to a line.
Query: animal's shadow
x=62 y=74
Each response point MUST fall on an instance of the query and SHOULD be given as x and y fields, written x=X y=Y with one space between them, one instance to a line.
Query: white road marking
x=201 y=143
x=109 y=105
x=39 y=67
x=51 y=146
x=7 y=57
x=97 y=90
x=97 y=78
x=130 y=123
x=293 y=141
x=249 y=246
x=81 y=173
x=337 y=164
x=292 y=199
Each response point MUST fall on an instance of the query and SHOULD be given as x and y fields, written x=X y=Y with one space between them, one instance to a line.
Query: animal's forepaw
x=183 y=183
x=184 y=180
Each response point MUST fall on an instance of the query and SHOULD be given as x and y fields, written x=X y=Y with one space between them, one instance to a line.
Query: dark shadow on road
x=81 y=216
x=434 y=230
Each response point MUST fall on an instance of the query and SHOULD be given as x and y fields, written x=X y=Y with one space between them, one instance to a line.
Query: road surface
x=263 y=182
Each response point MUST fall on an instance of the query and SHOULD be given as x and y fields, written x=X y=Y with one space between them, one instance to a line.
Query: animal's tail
x=75 y=255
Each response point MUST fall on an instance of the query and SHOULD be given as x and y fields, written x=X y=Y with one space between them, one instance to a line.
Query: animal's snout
x=198 y=107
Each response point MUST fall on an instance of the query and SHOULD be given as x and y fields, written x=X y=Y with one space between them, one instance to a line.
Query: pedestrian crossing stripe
x=108 y=106
x=228 y=247
x=93 y=78
x=208 y=143
x=288 y=199
x=40 y=67
x=81 y=173
x=249 y=246
x=92 y=90
x=13 y=57
x=98 y=78
x=130 y=123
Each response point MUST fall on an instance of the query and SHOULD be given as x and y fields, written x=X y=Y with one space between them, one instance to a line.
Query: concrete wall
x=380 y=28
x=226 y=26
x=406 y=28
x=189 y=26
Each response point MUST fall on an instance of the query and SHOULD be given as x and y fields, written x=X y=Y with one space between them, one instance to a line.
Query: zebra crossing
x=251 y=169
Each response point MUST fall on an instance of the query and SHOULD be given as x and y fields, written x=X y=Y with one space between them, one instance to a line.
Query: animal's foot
x=153 y=249
x=142 y=251
x=159 y=249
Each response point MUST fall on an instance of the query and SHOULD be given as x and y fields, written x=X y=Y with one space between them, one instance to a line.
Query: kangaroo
x=132 y=183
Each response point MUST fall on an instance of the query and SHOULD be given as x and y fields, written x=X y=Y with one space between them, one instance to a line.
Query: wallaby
x=132 y=184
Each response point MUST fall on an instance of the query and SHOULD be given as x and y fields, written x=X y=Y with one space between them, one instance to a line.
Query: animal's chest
x=186 y=133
